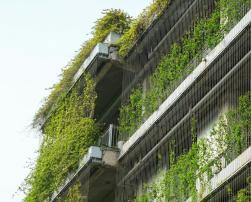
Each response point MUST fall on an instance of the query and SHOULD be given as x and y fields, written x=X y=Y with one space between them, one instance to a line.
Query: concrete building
x=118 y=167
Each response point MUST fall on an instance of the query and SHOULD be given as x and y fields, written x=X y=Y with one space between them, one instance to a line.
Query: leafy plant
x=140 y=24
x=114 y=20
x=74 y=194
x=245 y=194
x=177 y=64
x=204 y=159
x=68 y=134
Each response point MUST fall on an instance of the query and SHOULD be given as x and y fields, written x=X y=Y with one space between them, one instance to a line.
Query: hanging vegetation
x=114 y=20
x=68 y=134
x=140 y=25
x=245 y=194
x=226 y=141
x=74 y=194
x=176 y=65
x=70 y=129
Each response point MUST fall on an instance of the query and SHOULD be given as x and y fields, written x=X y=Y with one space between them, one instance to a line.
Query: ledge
x=231 y=169
x=227 y=173
x=186 y=84
x=101 y=49
x=104 y=159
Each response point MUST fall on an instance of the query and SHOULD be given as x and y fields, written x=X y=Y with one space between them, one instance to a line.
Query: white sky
x=37 y=39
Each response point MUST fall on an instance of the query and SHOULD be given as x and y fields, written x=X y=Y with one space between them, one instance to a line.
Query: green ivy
x=114 y=20
x=245 y=194
x=139 y=25
x=74 y=194
x=226 y=141
x=132 y=112
x=176 y=65
x=68 y=134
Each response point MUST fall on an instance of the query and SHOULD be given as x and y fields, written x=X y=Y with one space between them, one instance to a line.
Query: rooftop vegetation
x=114 y=20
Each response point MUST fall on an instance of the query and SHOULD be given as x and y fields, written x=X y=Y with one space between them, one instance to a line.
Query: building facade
x=207 y=82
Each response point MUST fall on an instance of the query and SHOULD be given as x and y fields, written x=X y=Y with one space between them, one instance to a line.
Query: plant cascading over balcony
x=69 y=129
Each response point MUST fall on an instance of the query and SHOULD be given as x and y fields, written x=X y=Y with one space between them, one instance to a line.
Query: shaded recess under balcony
x=107 y=69
x=95 y=175
x=96 y=172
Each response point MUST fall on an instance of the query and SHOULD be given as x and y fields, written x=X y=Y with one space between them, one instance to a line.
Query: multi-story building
x=211 y=82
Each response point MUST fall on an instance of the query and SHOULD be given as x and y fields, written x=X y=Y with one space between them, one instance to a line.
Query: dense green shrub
x=226 y=140
x=68 y=134
x=74 y=194
x=245 y=194
x=113 y=20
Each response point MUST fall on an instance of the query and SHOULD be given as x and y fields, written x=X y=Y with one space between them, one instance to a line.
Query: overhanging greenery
x=68 y=134
x=140 y=25
x=245 y=194
x=70 y=129
x=114 y=20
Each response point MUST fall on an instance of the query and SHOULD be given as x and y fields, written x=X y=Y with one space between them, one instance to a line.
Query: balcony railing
x=110 y=137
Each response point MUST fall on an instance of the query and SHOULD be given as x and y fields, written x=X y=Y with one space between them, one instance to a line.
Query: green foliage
x=245 y=194
x=172 y=67
x=74 y=194
x=113 y=20
x=175 y=66
x=68 y=134
x=204 y=159
x=231 y=15
x=132 y=112
x=139 y=25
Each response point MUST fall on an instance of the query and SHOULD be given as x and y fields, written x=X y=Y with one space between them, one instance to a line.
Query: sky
x=37 y=39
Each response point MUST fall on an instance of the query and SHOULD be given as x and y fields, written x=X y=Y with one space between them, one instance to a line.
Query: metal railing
x=110 y=137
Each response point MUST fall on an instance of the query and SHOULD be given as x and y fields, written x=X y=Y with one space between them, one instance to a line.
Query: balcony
x=189 y=81
x=105 y=66
x=100 y=52
x=219 y=79
x=110 y=137
x=228 y=177
x=99 y=161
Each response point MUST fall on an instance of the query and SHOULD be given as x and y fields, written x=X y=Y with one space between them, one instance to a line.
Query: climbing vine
x=68 y=134
x=177 y=64
x=114 y=20
x=140 y=24
x=225 y=142
x=70 y=129
x=74 y=194
x=245 y=194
